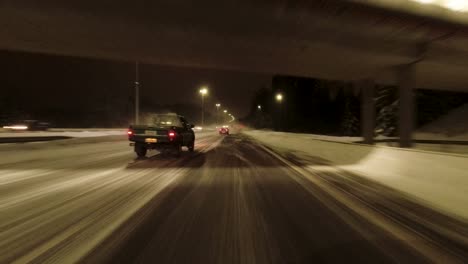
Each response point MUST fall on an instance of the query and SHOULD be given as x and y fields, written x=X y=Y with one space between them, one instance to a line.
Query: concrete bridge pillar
x=406 y=109
x=367 y=110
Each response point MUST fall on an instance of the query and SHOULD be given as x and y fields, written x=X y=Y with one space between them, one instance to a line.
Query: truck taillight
x=129 y=132
x=172 y=134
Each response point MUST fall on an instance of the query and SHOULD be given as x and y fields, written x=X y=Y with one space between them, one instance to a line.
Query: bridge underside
x=329 y=39
x=370 y=41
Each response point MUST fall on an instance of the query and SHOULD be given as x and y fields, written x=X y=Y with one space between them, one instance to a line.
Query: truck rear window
x=166 y=120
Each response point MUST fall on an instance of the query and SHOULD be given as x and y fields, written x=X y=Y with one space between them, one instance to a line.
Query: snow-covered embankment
x=437 y=179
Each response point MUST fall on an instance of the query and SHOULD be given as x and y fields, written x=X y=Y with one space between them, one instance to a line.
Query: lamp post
x=203 y=92
x=259 y=117
x=279 y=99
x=217 y=113
x=137 y=93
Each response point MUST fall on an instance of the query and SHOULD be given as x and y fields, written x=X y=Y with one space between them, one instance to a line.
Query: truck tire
x=178 y=150
x=191 y=146
x=140 y=151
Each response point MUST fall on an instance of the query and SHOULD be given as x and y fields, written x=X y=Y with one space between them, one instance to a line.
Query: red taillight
x=129 y=132
x=172 y=134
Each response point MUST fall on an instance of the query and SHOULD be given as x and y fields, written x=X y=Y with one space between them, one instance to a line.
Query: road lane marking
x=83 y=235
x=125 y=211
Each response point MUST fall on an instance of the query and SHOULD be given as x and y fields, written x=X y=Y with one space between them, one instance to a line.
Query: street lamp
x=203 y=92
x=225 y=112
x=279 y=97
x=259 y=107
x=137 y=93
x=218 y=105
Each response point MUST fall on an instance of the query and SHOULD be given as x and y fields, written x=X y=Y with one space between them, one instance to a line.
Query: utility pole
x=203 y=91
x=217 y=113
x=137 y=93
x=203 y=110
x=279 y=99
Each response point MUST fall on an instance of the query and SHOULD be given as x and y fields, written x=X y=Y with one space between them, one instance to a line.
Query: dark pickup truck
x=163 y=132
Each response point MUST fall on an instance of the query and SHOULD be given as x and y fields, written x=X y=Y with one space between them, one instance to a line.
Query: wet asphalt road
x=230 y=202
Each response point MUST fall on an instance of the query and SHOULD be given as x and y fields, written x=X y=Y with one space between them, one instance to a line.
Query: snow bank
x=72 y=132
x=453 y=125
x=67 y=133
x=440 y=136
x=439 y=180
x=81 y=138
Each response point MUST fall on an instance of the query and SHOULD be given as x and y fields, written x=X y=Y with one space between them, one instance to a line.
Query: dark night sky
x=36 y=81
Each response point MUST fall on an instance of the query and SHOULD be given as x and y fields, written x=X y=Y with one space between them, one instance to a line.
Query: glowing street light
x=203 y=92
x=279 y=97
x=259 y=107
x=225 y=111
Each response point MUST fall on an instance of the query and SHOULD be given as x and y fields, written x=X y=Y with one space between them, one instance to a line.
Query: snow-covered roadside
x=439 y=142
x=65 y=133
x=76 y=138
x=73 y=132
x=440 y=136
x=452 y=125
x=416 y=136
x=316 y=136
x=436 y=179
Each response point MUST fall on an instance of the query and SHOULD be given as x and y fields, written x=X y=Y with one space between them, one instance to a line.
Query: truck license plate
x=150 y=132
x=151 y=140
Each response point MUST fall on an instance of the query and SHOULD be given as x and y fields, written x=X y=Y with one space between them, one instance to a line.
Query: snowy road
x=232 y=201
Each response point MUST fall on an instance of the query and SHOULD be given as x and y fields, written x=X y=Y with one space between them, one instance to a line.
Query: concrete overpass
x=401 y=42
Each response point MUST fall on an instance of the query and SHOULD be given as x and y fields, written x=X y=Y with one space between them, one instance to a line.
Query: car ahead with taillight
x=224 y=130
x=162 y=132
